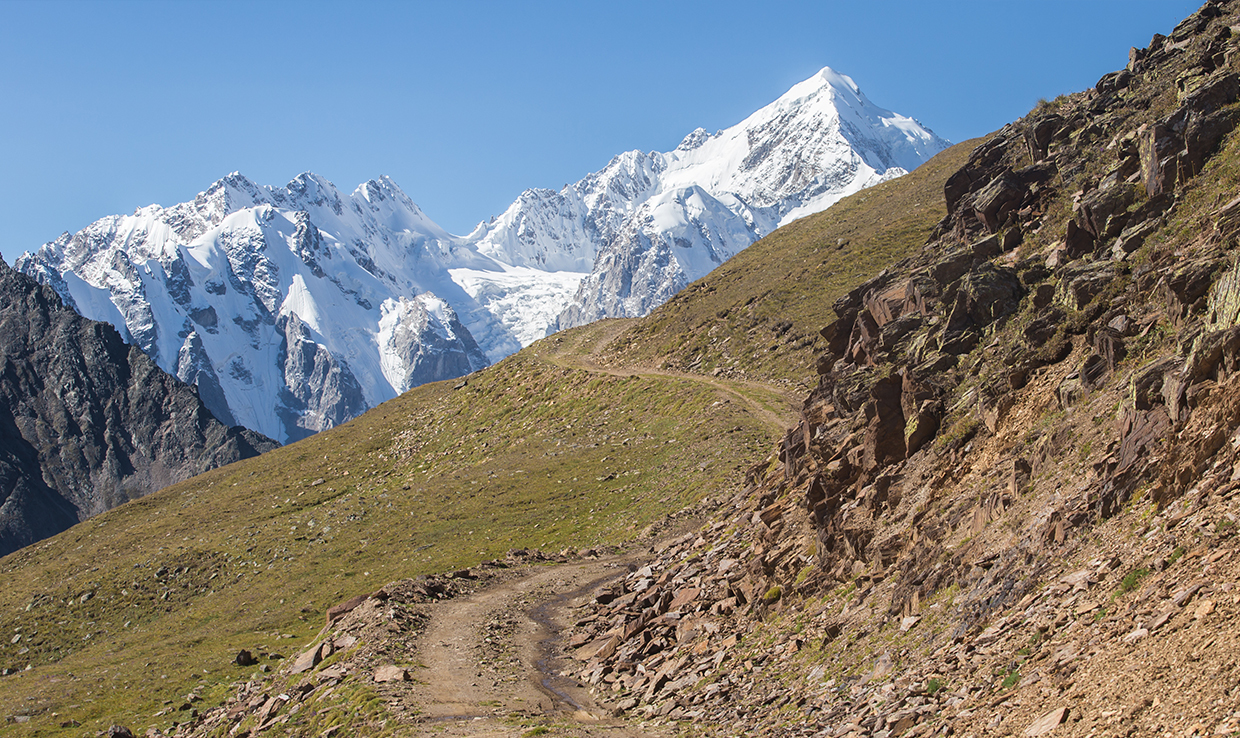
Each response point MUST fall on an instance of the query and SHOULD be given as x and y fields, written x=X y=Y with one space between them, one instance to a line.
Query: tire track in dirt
x=474 y=681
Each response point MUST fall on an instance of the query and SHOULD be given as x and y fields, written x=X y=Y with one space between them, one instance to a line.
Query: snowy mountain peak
x=816 y=143
x=693 y=140
x=825 y=78
x=228 y=195
x=293 y=309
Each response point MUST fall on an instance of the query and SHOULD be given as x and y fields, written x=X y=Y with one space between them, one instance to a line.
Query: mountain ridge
x=209 y=288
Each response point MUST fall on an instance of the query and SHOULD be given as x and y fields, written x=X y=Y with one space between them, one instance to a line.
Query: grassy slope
x=125 y=614
x=728 y=320
x=152 y=600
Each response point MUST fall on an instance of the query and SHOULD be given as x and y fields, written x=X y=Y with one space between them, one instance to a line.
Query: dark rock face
x=88 y=422
x=320 y=389
x=1034 y=264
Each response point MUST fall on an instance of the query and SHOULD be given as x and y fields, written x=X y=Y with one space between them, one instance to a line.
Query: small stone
x=1160 y=619
x=391 y=673
x=1047 y=722
x=684 y=597
x=882 y=667
x=907 y=623
x=306 y=661
x=1203 y=609
x=335 y=612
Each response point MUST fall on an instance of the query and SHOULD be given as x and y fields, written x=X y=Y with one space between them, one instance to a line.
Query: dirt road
x=489 y=662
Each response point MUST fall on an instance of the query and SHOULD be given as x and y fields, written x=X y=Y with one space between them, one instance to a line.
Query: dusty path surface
x=489 y=660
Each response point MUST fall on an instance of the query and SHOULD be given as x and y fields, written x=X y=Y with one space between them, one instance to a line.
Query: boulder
x=1105 y=210
x=1138 y=431
x=1002 y=195
x=307 y=660
x=884 y=437
x=1094 y=372
x=1070 y=391
x=1040 y=133
x=1040 y=329
x=1133 y=236
x=1081 y=283
x=986 y=294
x=1202 y=137
x=1109 y=344
x=1182 y=288
x=952 y=266
x=1077 y=241
x=886 y=303
x=1159 y=147
x=335 y=612
x=1114 y=81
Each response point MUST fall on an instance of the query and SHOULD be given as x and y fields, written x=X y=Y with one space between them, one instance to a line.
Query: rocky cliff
x=88 y=422
x=1010 y=505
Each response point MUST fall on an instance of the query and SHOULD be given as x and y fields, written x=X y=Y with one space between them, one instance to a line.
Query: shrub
x=1131 y=580
x=1012 y=679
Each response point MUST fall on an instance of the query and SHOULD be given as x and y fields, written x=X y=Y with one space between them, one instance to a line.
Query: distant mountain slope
x=87 y=422
x=295 y=309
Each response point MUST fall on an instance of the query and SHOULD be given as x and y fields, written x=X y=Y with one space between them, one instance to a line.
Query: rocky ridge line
x=87 y=421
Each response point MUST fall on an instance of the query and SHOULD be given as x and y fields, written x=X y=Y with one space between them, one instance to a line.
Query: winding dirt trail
x=489 y=663
x=779 y=414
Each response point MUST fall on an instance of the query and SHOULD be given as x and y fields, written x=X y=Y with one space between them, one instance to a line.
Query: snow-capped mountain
x=648 y=224
x=295 y=309
x=292 y=309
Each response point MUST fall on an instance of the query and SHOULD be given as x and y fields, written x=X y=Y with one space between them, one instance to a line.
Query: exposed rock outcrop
x=994 y=416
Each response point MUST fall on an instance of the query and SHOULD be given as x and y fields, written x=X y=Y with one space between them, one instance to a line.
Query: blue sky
x=108 y=106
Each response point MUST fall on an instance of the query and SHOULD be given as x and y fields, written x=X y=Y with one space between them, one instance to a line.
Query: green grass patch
x=1131 y=581
x=1012 y=679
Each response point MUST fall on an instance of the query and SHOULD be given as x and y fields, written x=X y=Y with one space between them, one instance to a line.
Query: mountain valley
x=958 y=455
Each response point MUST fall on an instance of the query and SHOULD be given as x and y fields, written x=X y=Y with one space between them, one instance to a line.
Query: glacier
x=294 y=309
